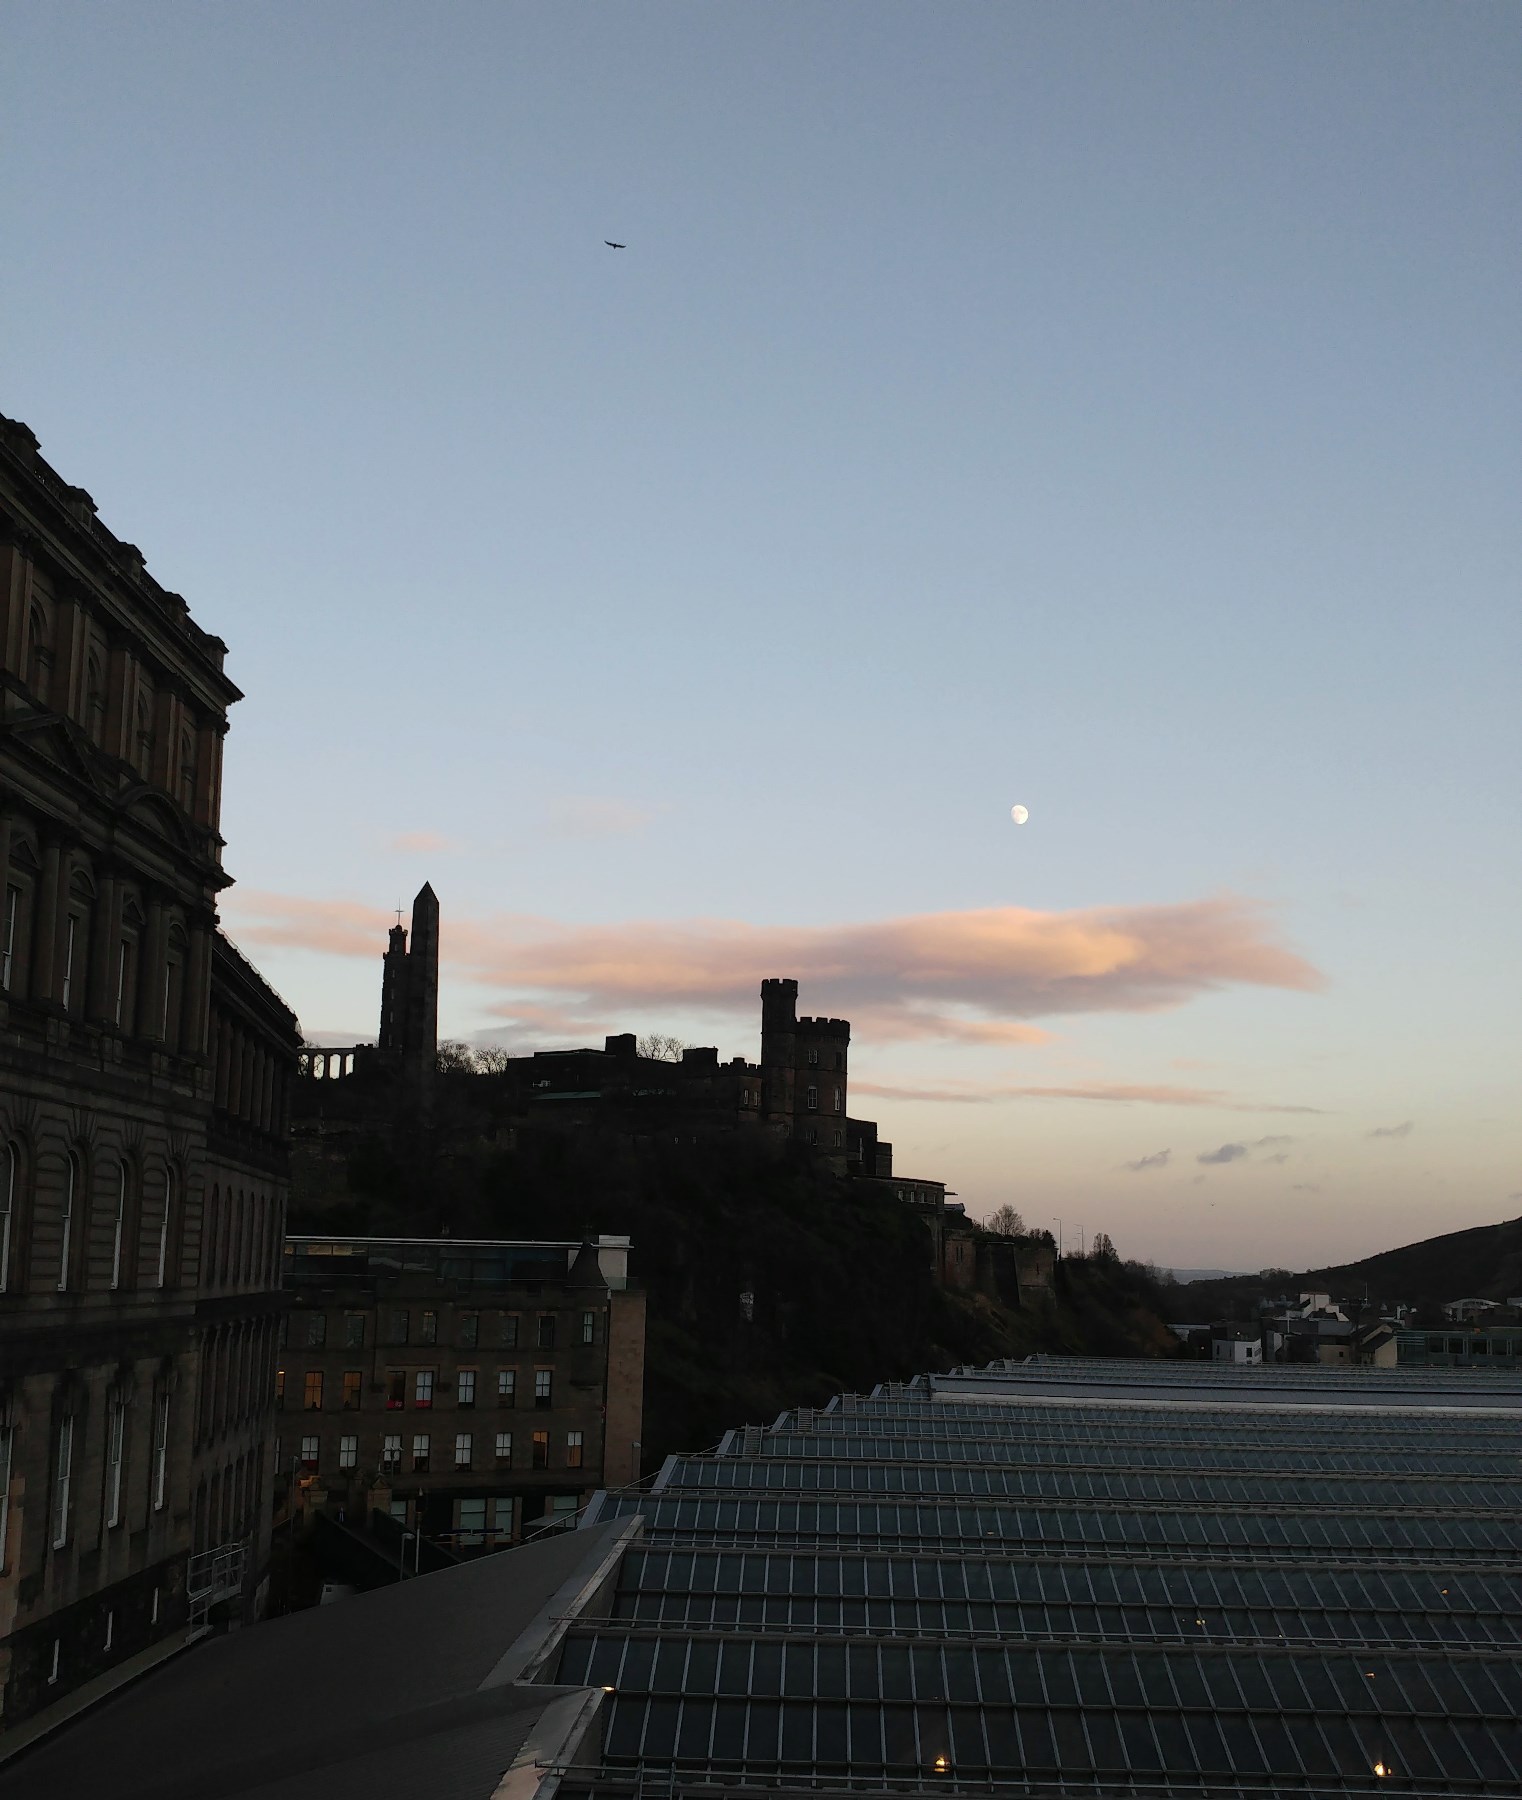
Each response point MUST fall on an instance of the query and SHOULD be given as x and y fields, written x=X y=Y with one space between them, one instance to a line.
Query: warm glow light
x=941 y=1765
x=1380 y=1769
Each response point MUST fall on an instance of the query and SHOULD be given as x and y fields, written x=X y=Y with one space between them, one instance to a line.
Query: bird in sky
x=612 y=246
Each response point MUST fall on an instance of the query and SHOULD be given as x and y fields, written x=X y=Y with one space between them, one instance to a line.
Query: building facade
x=113 y=708
x=468 y=1389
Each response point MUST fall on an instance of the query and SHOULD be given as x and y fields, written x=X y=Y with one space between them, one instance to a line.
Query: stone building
x=466 y=1388
x=144 y=1071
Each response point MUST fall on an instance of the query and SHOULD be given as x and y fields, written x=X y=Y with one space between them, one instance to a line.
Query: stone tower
x=779 y=1051
x=409 y=1023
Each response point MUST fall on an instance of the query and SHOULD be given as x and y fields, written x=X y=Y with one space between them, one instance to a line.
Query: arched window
x=68 y=1225
x=74 y=952
x=15 y=920
x=10 y=1197
x=168 y=1220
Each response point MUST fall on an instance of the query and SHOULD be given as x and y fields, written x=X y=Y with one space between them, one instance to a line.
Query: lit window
x=839 y=1101
x=280 y=1387
x=462 y=1450
x=573 y=1449
x=391 y=1453
x=507 y=1387
x=589 y=1328
x=470 y=1523
x=311 y=1391
x=502 y=1515
x=465 y=1390
x=422 y=1388
x=420 y=1453
x=353 y=1383
x=504 y=1447
x=543 y=1378
x=541 y=1456
x=348 y=1452
x=811 y=1099
x=309 y=1452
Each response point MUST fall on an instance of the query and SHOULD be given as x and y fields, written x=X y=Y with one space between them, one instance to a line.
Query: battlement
x=825 y=1027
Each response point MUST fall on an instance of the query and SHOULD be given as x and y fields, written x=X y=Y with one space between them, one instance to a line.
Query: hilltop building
x=144 y=1080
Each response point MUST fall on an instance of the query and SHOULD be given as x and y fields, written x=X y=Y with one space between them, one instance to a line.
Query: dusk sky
x=1111 y=409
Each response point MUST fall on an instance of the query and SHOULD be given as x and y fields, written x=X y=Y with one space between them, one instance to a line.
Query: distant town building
x=144 y=1075
x=1236 y=1343
x=468 y=1389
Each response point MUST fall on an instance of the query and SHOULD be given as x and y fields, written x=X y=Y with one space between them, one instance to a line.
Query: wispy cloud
x=1269 y=1143
x=1282 y=1157
x=423 y=843
x=981 y=1093
x=587 y=816
x=1394 y=1131
x=1157 y=1160
x=1227 y=1153
x=974 y=977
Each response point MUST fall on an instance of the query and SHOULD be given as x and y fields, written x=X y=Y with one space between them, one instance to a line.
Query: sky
x=1107 y=409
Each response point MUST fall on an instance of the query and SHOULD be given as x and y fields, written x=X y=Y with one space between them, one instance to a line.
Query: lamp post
x=1058 y=1223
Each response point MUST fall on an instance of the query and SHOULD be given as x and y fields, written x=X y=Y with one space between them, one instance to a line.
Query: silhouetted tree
x=1004 y=1221
x=661 y=1047
x=1104 y=1247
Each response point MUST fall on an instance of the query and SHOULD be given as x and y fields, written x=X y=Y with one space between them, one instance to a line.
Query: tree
x=491 y=1059
x=454 y=1058
x=1104 y=1247
x=1004 y=1221
x=661 y=1047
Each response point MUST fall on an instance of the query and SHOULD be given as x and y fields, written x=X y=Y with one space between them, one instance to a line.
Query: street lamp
x=1058 y=1223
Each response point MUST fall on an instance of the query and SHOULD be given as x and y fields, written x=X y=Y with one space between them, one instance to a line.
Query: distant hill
x=1484 y=1262
x=1207 y=1274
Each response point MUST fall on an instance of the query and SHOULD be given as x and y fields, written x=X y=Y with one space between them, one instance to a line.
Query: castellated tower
x=409 y=1023
x=804 y=1068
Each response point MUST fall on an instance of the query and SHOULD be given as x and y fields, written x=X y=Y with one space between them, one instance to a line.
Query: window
x=354 y=1382
x=10 y=1164
x=70 y=937
x=813 y=1059
x=53 y=1671
x=8 y=935
x=573 y=1449
x=470 y=1330
x=503 y=1451
x=589 y=1328
x=317 y=1330
x=465 y=1392
x=391 y=1454
x=502 y=1515
x=420 y=1453
x=7 y=1440
x=396 y=1389
x=160 y=1452
x=470 y=1523
x=170 y=1184
x=507 y=1331
x=310 y=1447
x=311 y=1391
x=280 y=1387
x=546 y=1337
x=124 y=955
x=541 y=1456
x=542 y=1387
x=396 y=1326
x=73 y=1182
x=839 y=1101
x=811 y=1100
x=348 y=1452
x=428 y=1328
x=835 y=1139
x=119 y=1225
x=462 y=1449
x=507 y=1387
x=110 y=1627
x=63 y=1469
x=116 y=1436
x=354 y=1331
x=422 y=1388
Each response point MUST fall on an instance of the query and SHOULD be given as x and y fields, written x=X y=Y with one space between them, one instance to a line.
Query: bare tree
x=491 y=1059
x=1104 y=1247
x=1004 y=1221
x=454 y=1058
x=661 y=1047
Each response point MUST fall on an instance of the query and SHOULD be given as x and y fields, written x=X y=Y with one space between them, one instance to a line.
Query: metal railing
x=211 y=1576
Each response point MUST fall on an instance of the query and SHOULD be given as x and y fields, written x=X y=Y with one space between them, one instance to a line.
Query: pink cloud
x=1150 y=1095
x=421 y=842
x=974 y=976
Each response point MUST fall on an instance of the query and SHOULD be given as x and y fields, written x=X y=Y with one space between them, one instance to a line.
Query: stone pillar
x=193 y=1037
x=100 y=995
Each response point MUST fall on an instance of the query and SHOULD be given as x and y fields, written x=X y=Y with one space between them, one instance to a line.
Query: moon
x=1019 y=814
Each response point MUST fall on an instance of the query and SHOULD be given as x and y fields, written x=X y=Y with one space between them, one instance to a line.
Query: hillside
x=1484 y=1261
